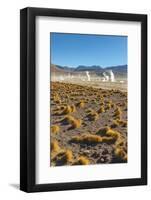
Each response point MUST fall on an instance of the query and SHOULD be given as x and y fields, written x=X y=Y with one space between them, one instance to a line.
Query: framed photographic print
x=83 y=95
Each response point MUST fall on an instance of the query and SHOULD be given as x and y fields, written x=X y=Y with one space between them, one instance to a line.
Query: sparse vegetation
x=108 y=139
x=118 y=112
x=119 y=122
x=87 y=138
x=112 y=133
x=76 y=123
x=101 y=109
x=68 y=155
x=68 y=119
x=103 y=131
x=89 y=125
x=119 y=152
x=73 y=108
x=93 y=116
x=82 y=160
x=68 y=109
x=55 y=146
x=55 y=129
x=81 y=104
x=122 y=122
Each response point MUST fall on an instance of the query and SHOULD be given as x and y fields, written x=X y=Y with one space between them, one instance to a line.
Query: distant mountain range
x=119 y=70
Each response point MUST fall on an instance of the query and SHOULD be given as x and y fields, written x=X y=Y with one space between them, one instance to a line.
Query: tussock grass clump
x=108 y=101
x=103 y=131
x=93 y=116
x=108 y=106
x=62 y=107
x=122 y=122
x=101 y=109
x=113 y=105
x=55 y=146
x=87 y=138
x=62 y=157
x=58 y=101
x=76 y=123
x=102 y=103
x=68 y=155
x=69 y=109
x=125 y=158
x=81 y=104
x=55 y=129
x=108 y=139
x=72 y=98
x=119 y=143
x=115 y=124
x=104 y=95
x=56 y=98
x=119 y=152
x=118 y=122
x=89 y=110
x=94 y=101
x=73 y=108
x=82 y=160
x=120 y=149
x=68 y=119
x=118 y=112
x=112 y=133
x=107 y=131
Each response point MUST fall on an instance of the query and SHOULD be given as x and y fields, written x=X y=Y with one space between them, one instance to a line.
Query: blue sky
x=80 y=49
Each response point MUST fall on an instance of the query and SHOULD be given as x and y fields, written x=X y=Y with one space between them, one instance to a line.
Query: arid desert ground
x=88 y=122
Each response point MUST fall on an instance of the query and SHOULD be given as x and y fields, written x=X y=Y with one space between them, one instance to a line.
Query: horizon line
x=88 y=65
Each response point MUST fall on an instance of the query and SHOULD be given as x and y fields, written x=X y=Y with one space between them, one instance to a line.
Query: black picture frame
x=28 y=99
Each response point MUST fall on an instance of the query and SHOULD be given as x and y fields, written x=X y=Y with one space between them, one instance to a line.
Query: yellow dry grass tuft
x=102 y=103
x=82 y=160
x=55 y=146
x=61 y=156
x=76 y=123
x=122 y=122
x=81 y=104
x=101 y=109
x=68 y=119
x=103 y=131
x=69 y=109
x=68 y=155
x=56 y=98
x=119 y=143
x=108 y=106
x=119 y=152
x=93 y=116
x=108 y=139
x=113 y=133
x=55 y=129
x=89 y=110
x=118 y=112
x=118 y=122
x=120 y=149
x=115 y=124
x=87 y=138
x=73 y=108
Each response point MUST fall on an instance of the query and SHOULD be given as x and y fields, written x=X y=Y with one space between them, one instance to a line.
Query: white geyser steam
x=88 y=75
x=106 y=77
x=69 y=76
x=112 y=78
